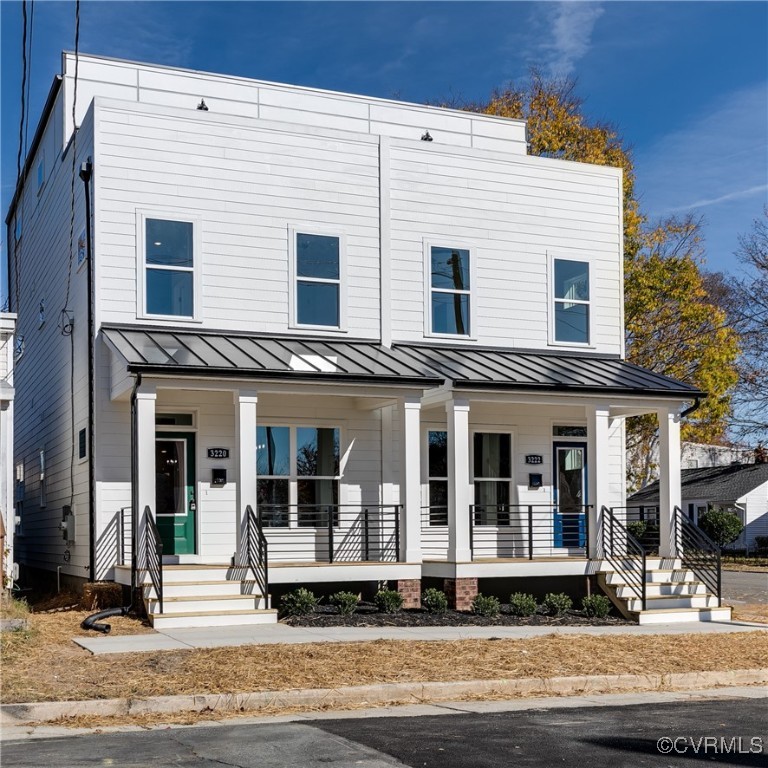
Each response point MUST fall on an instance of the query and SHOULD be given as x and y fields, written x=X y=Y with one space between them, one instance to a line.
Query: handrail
x=153 y=554
x=256 y=551
x=620 y=548
x=698 y=553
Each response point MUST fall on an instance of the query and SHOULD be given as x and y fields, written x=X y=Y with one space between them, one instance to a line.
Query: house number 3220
x=218 y=453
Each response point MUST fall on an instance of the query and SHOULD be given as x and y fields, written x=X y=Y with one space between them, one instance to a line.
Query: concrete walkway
x=218 y=637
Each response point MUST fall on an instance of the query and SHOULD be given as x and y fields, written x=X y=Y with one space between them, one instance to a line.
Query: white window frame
x=448 y=242
x=293 y=475
x=590 y=304
x=426 y=429
x=294 y=231
x=141 y=266
x=511 y=480
x=42 y=479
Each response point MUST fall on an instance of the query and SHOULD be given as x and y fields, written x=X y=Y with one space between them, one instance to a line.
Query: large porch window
x=492 y=477
x=438 y=477
x=298 y=471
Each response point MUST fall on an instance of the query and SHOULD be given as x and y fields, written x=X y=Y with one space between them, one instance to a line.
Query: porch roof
x=211 y=353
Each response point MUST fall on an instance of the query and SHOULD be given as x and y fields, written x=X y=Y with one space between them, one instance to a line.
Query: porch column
x=598 y=461
x=146 y=397
x=457 y=412
x=670 y=494
x=410 y=479
x=245 y=446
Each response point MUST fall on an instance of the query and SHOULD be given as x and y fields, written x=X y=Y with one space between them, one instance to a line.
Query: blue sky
x=686 y=82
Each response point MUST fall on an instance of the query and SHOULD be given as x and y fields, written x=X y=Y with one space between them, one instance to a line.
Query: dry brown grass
x=42 y=664
x=755 y=612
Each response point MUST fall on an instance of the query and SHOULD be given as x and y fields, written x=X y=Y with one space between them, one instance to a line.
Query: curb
x=376 y=695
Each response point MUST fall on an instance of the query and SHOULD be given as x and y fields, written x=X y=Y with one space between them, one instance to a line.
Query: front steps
x=204 y=596
x=672 y=594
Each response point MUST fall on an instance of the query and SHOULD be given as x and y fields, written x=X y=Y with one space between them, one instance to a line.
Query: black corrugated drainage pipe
x=92 y=621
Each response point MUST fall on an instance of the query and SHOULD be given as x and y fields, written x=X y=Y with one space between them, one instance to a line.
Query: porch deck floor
x=269 y=634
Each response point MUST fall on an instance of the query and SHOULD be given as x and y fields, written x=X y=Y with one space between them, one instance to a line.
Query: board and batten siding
x=46 y=402
x=515 y=214
x=246 y=186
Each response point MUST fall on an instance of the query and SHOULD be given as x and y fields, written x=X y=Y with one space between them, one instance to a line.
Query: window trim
x=590 y=304
x=511 y=480
x=166 y=214
x=427 y=477
x=428 y=245
x=294 y=230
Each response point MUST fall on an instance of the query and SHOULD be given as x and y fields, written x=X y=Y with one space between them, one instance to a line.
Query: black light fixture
x=202 y=106
x=426 y=137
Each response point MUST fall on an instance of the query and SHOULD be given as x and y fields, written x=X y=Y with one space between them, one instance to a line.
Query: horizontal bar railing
x=256 y=550
x=642 y=521
x=332 y=532
x=624 y=553
x=152 y=554
x=698 y=553
x=508 y=531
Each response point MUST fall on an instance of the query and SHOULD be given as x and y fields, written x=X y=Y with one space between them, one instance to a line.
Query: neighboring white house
x=700 y=455
x=7 y=524
x=739 y=488
x=378 y=337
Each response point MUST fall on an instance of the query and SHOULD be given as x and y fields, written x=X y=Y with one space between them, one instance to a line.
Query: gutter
x=692 y=408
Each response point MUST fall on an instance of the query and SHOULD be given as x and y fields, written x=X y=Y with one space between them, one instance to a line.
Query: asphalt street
x=745 y=586
x=722 y=731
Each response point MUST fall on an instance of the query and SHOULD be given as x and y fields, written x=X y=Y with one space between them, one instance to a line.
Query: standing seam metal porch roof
x=170 y=351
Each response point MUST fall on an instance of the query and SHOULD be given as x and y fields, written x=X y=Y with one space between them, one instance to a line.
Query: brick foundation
x=410 y=589
x=460 y=593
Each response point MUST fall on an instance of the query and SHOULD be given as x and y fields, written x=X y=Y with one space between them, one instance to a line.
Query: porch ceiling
x=219 y=354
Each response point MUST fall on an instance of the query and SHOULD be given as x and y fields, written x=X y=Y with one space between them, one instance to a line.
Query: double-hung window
x=437 y=464
x=492 y=477
x=571 y=301
x=318 y=280
x=299 y=473
x=449 y=291
x=169 y=268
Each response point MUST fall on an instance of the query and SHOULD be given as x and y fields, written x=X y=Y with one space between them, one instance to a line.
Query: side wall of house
x=756 y=522
x=51 y=373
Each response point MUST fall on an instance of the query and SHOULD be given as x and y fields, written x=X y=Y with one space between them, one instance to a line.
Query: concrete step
x=651 y=563
x=672 y=603
x=203 y=588
x=682 y=615
x=179 y=573
x=659 y=589
x=177 y=605
x=666 y=576
x=212 y=619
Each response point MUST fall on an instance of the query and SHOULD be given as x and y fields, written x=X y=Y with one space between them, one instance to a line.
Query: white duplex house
x=303 y=337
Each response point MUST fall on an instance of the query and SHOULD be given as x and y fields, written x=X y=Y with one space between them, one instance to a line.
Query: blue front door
x=570 y=494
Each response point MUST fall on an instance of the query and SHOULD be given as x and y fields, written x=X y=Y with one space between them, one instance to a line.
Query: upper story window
x=318 y=280
x=571 y=301
x=169 y=267
x=449 y=291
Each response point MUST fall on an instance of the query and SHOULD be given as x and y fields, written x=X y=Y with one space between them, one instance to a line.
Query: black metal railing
x=123 y=538
x=332 y=532
x=508 y=531
x=642 y=522
x=698 y=553
x=624 y=553
x=152 y=555
x=256 y=550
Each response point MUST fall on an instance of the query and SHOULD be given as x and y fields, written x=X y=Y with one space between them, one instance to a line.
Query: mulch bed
x=367 y=615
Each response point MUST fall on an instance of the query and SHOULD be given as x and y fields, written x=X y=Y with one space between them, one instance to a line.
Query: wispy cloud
x=737 y=195
x=564 y=36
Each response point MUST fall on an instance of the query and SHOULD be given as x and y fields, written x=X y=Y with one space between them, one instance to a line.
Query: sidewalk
x=219 y=637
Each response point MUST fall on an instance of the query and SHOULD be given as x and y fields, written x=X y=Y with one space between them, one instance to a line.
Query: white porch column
x=457 y=412
x=245 y=446
x=670 y=495
x=410 y=479
x=146 y=397
x=598 y=460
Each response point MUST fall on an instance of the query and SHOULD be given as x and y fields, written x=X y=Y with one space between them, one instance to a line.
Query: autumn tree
x=672 y=326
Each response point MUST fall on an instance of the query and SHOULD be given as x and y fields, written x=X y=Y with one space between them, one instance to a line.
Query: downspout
x=86 y=173
x=134 y=494
x=691 y=408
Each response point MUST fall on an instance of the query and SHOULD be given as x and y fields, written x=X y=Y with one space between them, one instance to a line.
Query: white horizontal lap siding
x=516 y=215
x=247 y=186
x=757 y=514
x=44 y=405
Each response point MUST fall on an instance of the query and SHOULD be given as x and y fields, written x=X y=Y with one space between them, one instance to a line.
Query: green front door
x=175 y=503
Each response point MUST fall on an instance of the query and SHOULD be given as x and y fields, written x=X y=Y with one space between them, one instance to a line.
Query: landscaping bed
x=368 y=615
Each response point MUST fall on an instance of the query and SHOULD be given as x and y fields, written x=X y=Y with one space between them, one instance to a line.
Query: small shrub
x=299 y=602
x=557 y=603
x=345 y=602
x=721 y=526
x=434 y=601
x=388 y=600
x=486 y=605
x=761 y=543
x=637 y=528
x=522 y=604
x=596 y=606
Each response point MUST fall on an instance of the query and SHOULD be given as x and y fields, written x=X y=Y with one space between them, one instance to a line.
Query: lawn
x=43 y=664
